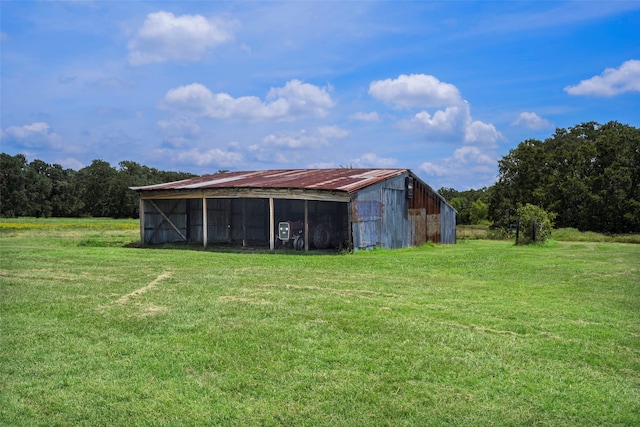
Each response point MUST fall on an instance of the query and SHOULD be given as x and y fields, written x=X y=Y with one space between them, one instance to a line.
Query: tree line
x=40 y=189
x=587 y=176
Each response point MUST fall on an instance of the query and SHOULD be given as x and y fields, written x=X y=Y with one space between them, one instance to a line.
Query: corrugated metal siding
x=431 y=218
x=448 y=225
x=157 y=228
x=378 y=215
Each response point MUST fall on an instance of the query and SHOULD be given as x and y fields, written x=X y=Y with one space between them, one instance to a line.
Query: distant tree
x=462 y=202
x=38 y=187
x=65 y=198
x=588 y=174
x=99 y=190
x=478 y=212
x=95 y=184
x=14 y=198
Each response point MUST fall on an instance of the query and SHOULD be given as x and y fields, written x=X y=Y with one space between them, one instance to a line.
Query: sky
x=445 y=89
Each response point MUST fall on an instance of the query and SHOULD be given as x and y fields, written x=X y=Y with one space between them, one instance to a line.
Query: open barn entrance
x=248 y=222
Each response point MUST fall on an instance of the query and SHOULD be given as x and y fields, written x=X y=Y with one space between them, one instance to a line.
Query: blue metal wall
x=383 y=216
x=379 y=215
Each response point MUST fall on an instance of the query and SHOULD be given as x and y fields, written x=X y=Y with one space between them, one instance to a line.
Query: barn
x=300 y=209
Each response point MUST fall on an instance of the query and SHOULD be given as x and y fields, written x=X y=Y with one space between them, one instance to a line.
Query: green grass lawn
x=94 y=331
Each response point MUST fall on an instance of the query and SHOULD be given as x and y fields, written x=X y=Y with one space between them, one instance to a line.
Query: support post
x=306 y=226
x=272 y=218
x=244 y=222
x=142 y=220
x=205 y=225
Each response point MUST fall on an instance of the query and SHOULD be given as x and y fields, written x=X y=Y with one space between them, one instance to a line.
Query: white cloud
x=415 y=90
x=302 y=139
x=71 y=163
x=531 y=121
x=467 y=162
x=332 y=132
x=446 y=120
x=433 y=169
x=480 y=132
x=295 y=100
x=38 y=134
x=372 y=160
x=213 y=157
x=179 y=131
x=166 y=37
x=613 y=81
x=366 y=117
x=471 y=154
x=453 y=123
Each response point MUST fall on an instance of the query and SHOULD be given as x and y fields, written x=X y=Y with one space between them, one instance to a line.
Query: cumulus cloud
x=454 y=123
x=294 y=100
x=472 y=155
x=332 y=132
x=167 y=37
x=452 y=119
x=366 y=117
x=214 y=157
x=415 y=90
x=466 y=163
x=613 y=81
x=319 y=137
x=371 y=160
x=179 y=131
x=34 y=135
x=531 y=121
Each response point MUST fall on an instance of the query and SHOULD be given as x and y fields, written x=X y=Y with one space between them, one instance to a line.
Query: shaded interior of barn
x=246 y=222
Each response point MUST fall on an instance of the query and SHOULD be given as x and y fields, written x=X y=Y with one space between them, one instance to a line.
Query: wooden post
x=533 y=230
x=272 y=218
x=205 y=225
x=517 y=229
x=142 y=220
x=244 y=222
x=306 y=226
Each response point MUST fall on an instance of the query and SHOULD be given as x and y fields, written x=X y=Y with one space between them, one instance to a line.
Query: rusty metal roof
x=347 y=180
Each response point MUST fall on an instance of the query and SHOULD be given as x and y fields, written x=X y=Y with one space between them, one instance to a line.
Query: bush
x=535 y=224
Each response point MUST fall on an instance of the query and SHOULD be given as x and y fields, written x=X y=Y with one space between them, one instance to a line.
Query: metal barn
x=300 y=209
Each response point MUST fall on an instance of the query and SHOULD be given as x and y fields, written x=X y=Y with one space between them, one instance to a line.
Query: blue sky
x=443 y=88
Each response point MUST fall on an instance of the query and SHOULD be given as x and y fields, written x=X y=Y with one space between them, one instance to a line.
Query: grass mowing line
x=341 y=292
x=125 y=298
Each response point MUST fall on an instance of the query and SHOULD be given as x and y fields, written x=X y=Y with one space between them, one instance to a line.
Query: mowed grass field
x=94 y=331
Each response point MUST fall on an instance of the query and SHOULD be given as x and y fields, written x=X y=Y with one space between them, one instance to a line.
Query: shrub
x=535 y=224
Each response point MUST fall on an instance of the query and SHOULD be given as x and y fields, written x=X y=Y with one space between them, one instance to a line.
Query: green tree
x=38 y=187
x=14 y=198
x=479 y=211
x=589 y=174
x=65 y=198
x=95 y=183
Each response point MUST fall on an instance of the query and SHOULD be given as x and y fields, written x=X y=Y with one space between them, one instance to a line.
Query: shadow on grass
x=231 y=248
